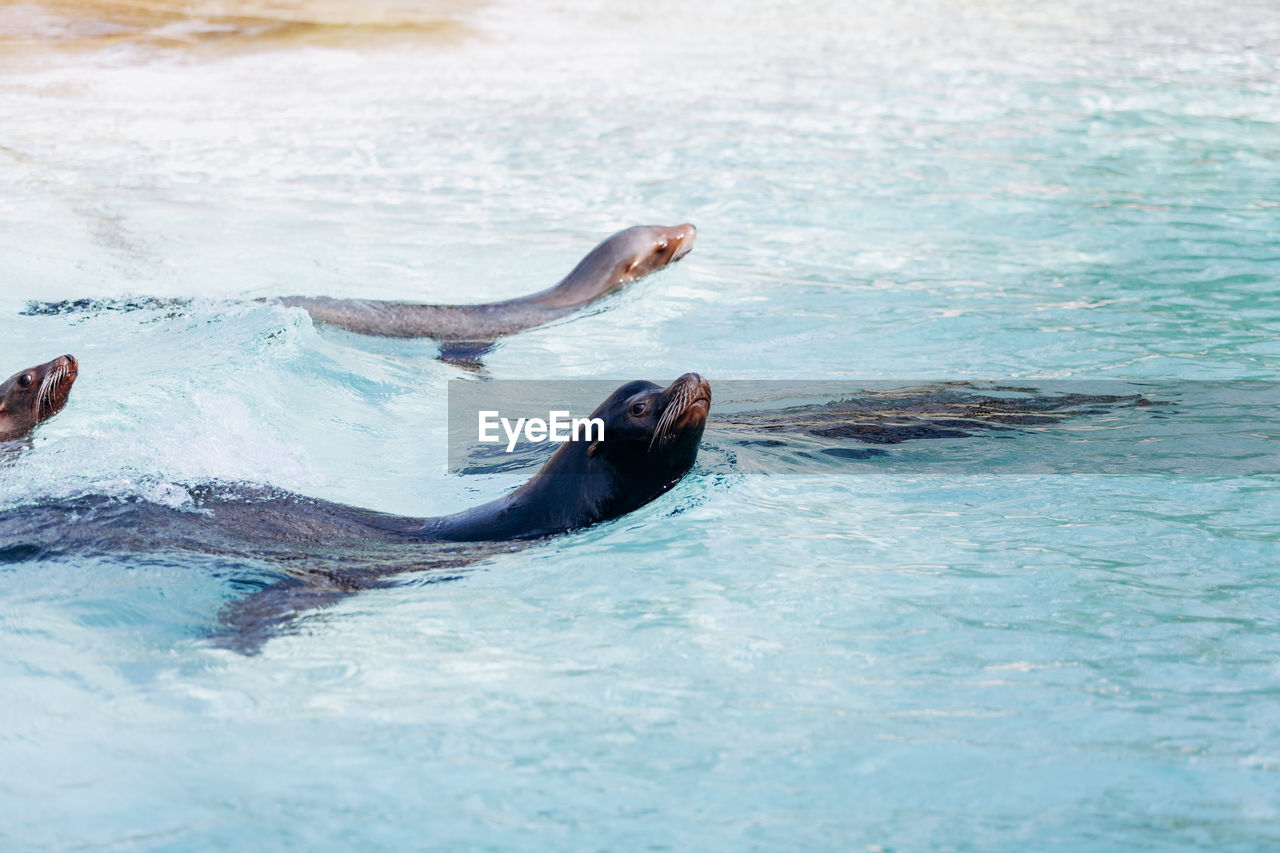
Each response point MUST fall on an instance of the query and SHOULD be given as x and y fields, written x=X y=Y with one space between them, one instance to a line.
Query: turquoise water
x=911 y=660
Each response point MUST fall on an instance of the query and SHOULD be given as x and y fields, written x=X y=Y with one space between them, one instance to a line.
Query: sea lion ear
x=594 y=448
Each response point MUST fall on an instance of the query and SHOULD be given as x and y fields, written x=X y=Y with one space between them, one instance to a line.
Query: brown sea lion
x=465 y=331
x=32 y=396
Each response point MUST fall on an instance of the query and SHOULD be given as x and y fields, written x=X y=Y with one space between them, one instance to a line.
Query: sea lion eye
x=661 y=247
x=25 y=380
x=638 y=409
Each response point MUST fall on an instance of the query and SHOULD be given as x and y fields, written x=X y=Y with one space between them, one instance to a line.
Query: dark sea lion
x=32 y=396
x=651 y=441
x=946 y=410
x=327 y=550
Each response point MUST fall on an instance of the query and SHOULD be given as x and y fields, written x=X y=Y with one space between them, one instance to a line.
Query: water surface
x=920 y=659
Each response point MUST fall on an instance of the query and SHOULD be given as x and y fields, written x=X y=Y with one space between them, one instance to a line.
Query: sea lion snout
x=59 y=375
x=682 y=237
x=693 y=386
x=67 y=366
x=695 y=399
x=685 y=406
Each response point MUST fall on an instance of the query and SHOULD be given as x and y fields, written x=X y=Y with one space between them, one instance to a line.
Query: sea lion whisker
x=662 y=433
x=44 y=400
x=664 y=422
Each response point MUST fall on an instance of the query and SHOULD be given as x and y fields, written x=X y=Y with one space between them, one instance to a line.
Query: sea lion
x=465 y=332
x=623 y=258
x=894 y=415
x=32 y=396
x=327 y=550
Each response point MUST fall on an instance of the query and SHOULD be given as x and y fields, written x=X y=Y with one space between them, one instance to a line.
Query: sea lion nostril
x=71 y=359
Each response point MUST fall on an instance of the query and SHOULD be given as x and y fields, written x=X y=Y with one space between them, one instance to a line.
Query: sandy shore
x=28 y=28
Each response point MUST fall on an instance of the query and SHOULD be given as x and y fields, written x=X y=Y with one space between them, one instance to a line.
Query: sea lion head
x=650 y=440
x=643 y=249
x=34 y=395
x=626 y=256
x=651 y=437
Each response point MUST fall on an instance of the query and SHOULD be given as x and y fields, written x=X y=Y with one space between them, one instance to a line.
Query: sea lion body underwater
x=623 y=258
x=327 y=550
x=32 y=396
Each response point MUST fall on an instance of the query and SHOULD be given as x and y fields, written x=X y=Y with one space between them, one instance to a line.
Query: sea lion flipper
x=245 y=624
x=469 y=355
